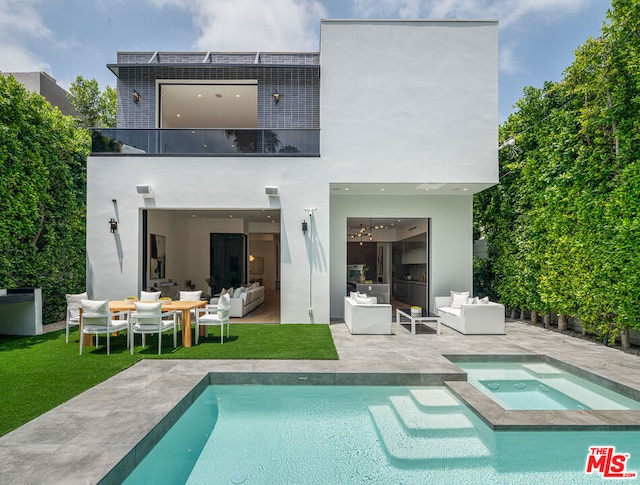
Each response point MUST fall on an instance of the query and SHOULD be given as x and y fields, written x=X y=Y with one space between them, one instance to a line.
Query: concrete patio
x=80 y=441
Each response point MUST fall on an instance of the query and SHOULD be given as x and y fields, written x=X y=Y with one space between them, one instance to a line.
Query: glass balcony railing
x=241 y=142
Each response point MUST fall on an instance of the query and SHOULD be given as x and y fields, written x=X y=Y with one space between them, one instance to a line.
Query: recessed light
x=218 y=95
x=237 y=95
x=381 y=190
x=230 y=215
x=426 y=190
x=199 y=95
x=178 y=115
x=465 y=188
x=346 y=188
x=193 y=215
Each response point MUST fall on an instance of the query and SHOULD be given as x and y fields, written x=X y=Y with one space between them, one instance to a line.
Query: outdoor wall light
x=276 y=97
x=145 y=190
x=305 y=228
x=136 y=96
x=271 y=191
x=113 y=225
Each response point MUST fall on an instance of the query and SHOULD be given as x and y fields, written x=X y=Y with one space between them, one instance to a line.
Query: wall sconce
x=136 y=96
x=304 y=228
x=271 y=191
x=145 y=190
x=276 y=97
x=113 y=225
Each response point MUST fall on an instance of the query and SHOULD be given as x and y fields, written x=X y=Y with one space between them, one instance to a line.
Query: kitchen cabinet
x=418 y=294
x=417 y=256
x=401 y=290
x=410 y=292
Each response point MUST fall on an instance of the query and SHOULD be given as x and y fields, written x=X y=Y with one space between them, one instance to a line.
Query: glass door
x=228 y=260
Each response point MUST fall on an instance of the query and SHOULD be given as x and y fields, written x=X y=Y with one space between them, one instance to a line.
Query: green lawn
x=39 y=373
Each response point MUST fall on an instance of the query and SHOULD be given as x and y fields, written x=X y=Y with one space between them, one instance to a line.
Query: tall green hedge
x=42 y=197
x=563 y=225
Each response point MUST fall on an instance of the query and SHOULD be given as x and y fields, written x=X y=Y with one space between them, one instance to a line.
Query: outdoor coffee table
x=407 y=314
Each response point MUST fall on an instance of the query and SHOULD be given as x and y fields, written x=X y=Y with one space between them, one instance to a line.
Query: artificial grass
x=41 y=372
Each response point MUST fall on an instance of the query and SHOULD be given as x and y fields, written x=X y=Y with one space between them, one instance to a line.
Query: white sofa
x=367 y=318
x=472 y=318
x=245 y=300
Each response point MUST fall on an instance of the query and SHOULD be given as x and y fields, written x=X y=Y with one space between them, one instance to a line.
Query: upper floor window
x=222 y=104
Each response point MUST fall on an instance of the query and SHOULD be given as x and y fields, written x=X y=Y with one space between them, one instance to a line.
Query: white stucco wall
x=418 y=96
x=113 y=261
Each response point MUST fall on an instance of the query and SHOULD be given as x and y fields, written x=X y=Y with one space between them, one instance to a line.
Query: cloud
x=508 y=59
x=251 y=25
x=14 y=58
x=20 y=25
x=509 y=12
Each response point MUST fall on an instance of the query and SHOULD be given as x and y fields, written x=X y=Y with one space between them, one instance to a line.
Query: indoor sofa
x=244 y=299
x=363 y=315
x=473 y=317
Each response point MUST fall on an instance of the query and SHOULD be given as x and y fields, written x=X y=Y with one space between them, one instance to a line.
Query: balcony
x=207 y=142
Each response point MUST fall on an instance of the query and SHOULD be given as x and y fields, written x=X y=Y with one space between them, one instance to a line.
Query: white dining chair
x=98 y=319
x=214 y=315
x=74 y=302
x=149 y=319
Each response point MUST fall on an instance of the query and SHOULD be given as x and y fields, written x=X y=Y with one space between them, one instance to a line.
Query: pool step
x=435 y=397
x=418 y=422
x=403 y=446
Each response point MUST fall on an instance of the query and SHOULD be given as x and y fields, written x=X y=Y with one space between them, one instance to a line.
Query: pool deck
x=81 y=440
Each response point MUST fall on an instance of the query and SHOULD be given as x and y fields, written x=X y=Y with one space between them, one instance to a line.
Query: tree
x=98 y=110
x=42 y=197
x=562 y=225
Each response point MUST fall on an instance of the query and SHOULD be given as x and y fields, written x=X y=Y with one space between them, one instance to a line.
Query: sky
x=67 y=38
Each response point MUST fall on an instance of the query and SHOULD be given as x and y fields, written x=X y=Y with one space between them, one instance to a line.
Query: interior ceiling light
x=218 y=95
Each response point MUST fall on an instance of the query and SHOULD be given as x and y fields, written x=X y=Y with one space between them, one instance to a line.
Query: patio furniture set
x=460 y=312
x=151 y=314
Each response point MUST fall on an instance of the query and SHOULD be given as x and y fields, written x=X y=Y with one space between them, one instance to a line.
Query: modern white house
x=287 y=167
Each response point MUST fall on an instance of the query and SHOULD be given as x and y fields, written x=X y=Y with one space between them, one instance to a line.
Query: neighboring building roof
x=43 y=84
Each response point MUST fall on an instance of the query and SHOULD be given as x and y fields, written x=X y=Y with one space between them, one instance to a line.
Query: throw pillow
x=95 y=307
x=190 y=295
x=464 y=294
x=485 y=300
x=238 y=292
x=150 y=295
x=365 y=300
x=475 y=300
x=74 y=302
x=148 y=308
x=459 y=299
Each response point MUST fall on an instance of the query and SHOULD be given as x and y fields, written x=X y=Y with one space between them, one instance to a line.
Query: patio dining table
x=184 y=307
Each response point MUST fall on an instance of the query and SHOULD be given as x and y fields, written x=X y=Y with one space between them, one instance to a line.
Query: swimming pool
x=360 y=434
x=541 y=386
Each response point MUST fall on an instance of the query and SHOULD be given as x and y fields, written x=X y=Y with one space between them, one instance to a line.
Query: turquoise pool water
x=538 y=385
x=360 y=434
